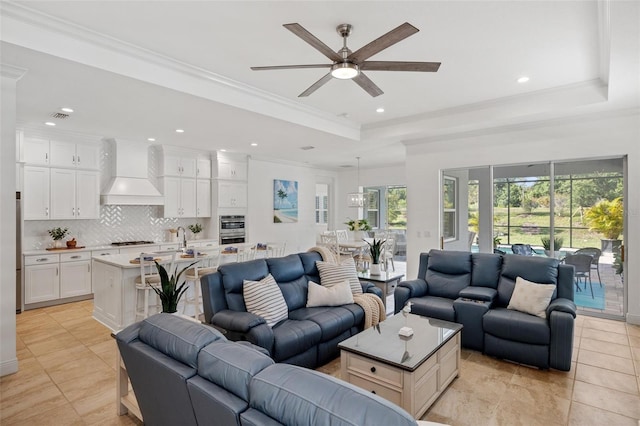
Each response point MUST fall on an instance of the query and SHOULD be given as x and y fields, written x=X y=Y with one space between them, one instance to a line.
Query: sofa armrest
x=562 y=305
x=483 y=294
x=240 y=322
x=417 y=287
x=368 y=287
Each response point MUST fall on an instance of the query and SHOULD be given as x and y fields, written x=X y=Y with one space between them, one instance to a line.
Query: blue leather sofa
x=185 y=373
x=474 y=290
x=309 y=337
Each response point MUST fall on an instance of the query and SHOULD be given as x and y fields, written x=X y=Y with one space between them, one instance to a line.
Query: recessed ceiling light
x=523 y=79
x=151 y=139
x=380 y=109
x=223 y=150
x=254 y=144
x=49 y=123
x=65 y=109
x=179 y=131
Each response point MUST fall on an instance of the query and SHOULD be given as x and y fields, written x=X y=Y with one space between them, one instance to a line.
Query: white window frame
x=454 y=210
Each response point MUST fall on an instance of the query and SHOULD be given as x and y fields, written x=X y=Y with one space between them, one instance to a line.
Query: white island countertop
x=125 y=260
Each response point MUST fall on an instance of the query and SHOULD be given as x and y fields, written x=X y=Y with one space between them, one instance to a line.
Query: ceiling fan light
x=344 y=70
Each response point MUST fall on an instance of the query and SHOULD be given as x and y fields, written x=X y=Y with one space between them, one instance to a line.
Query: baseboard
x=8 y=367
x=633 y=319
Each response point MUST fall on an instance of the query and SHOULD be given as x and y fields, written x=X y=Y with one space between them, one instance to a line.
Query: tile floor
x=67 y=377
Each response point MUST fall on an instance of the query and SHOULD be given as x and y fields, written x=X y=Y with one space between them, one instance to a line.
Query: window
x=372 y=200
x=449 y=208
x=322 y=209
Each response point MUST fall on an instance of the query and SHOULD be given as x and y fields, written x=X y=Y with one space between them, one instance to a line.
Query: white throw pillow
x=530 y=297
x=337 y=295
x=264 y=298
x=334 y=273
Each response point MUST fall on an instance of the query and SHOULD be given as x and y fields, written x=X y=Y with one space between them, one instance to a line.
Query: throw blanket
x=372 y=305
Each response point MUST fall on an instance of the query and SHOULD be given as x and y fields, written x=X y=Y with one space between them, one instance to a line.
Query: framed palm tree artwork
x=285 y=201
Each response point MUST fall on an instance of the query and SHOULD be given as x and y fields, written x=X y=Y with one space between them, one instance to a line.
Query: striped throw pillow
x=333 y=273
x=264 y=298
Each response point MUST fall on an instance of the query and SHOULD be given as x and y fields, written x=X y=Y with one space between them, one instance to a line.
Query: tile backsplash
x=116 y=223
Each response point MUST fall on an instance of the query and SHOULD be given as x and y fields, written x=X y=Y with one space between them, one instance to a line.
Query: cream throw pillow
x=264 y=298
x=531 y=298
x=334 y=273
x=336 y=295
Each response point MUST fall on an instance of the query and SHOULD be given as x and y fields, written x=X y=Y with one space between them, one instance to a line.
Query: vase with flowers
x=359 y=227
x=58 y=234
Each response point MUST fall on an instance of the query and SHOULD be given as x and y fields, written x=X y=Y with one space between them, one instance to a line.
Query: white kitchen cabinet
x=232 y=194
x=35 y=151
x=36 y=193
x=136 y=250
x=75 y=274
x=41 y=278
x=69 y=154
x=179 y=197
x=203 y=198
x=234 y=170
x=75 y=194
x=175 y=164
x=203 y=170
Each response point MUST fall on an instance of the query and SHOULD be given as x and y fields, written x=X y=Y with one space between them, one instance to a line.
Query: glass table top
x=383 y=342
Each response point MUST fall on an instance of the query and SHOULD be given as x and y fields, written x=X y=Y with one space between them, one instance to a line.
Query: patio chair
x=582 y=265
x=595 y=253
x=523 y=249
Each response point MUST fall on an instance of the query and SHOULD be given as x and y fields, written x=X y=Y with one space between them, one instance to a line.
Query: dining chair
x=595 y=253
x=149 y=278
x=582 y=265
x=330 y=240
x=275 y=249
x=209 y=260
x=388 y=249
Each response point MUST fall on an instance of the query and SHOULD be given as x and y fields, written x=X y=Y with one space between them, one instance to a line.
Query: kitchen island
x=114 y=288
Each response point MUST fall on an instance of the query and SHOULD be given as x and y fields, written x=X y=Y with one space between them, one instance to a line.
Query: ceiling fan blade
x=381 y=43
x=290 y=67
x=368 y=85
x=399 y=66
x=315 y=86
x=301 y=32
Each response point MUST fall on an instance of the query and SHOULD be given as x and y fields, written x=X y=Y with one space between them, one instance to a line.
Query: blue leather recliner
x=474 y=289
x=185 y=373
x=309 y=337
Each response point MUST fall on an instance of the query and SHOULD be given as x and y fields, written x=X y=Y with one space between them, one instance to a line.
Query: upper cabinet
x=185 y=177
x=35 y=151
x=80 y=156
x=232 y=169
x=55 y=153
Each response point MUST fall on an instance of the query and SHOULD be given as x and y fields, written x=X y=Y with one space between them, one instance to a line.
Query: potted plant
x=195 y=229
x=607 y=218
x=375 y=250
x=58 y=234
x=359 y=227
x=169 y=291
x=557 y=245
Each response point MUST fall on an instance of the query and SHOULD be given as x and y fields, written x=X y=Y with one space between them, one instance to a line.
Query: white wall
x=299 y=236
x=8 y=359
x=590 y=137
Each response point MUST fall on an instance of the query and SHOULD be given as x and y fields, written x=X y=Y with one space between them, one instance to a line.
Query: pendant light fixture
x=356 y=199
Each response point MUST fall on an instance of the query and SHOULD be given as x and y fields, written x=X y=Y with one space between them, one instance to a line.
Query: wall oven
x=232 y=230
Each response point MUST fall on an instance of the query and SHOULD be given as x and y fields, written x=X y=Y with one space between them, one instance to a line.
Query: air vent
x=307 y=148
x=59 y=115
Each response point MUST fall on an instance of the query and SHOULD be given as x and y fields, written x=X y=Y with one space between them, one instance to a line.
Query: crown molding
x=528 y=125
x=49 y=132
x=11 y=71
x=252 y=98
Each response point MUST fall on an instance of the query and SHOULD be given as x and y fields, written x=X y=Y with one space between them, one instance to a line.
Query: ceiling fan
x=349 y=65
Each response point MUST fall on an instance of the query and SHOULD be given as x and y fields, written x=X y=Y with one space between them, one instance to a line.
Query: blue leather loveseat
x=474 y=289
x=309 y=337
x=185 y=373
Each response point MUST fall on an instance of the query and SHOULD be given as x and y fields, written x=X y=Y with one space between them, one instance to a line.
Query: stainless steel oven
x=232 y=230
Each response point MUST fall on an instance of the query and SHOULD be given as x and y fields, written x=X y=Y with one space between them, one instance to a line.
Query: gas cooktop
x=131 y=243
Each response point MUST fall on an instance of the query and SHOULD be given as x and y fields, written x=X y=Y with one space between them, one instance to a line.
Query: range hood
x=130 y=183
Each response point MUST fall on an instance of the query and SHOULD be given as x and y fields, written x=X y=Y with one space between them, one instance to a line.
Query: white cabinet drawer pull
x=42 y=259
x=76 y=257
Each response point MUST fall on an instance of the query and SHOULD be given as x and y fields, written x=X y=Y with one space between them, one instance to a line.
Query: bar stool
x=145 y=282
x=210 y=260
x=276 y=249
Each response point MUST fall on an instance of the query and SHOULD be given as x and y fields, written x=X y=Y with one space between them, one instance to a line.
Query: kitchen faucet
x=183 y=244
